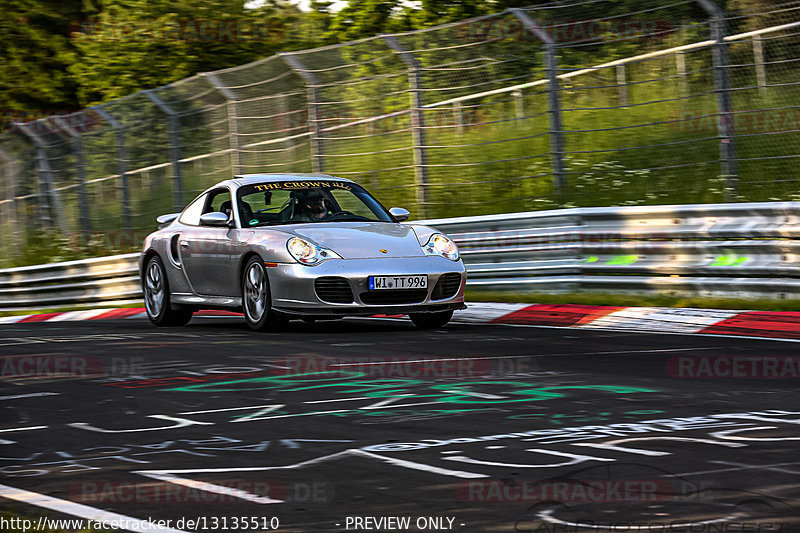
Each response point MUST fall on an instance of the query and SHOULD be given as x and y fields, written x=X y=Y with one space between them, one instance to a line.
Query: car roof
x=249 y=179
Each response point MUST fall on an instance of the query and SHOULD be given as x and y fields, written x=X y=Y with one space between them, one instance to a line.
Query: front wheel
x=431 y=320
x=157 y=298
x=256 y=298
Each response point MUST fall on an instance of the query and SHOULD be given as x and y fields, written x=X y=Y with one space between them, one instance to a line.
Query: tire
x=155 y=288
x=431 y=320
x=256 y=298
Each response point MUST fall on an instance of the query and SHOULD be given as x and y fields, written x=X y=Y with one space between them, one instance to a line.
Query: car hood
x=361 y=240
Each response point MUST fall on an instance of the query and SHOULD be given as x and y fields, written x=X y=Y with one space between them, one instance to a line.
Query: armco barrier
x=743 y=250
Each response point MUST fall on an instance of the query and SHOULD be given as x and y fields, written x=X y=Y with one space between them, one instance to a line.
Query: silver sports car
x=284 y=246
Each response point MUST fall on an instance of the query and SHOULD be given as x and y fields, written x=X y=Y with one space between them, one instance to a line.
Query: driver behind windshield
x=311 y=207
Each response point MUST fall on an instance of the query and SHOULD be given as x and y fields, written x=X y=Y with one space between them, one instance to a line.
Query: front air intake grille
x=394 y=296
x=333 y=289
x=447 y=286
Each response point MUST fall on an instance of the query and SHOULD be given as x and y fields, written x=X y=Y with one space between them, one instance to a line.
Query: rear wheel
x=256 y=298
x=155 y=288
x=431 y=320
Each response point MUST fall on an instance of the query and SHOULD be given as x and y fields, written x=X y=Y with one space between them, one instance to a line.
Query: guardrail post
x=174 y=146
x=80 y=170
x=758 y=59
x=49 y=197
x=417 y=121
x=10 y=171
x=553 y=99
x=722 y=86
x=233 y=120
x=122 y=165
x=314 y=115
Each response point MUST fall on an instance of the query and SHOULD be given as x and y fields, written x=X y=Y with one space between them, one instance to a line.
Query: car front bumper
x=294 y=293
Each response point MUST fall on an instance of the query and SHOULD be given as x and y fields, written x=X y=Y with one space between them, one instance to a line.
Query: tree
x=35 y=51
x=140 y=44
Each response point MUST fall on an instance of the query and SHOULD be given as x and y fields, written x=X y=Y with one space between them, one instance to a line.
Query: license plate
x=397 y=282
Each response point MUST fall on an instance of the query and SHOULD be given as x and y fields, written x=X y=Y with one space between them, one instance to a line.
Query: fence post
x=761 y=72
x=122 y=165
x=553 y=99
x=722 y=86
x=417 y=121
x=233 y=120
x=622 y=85
x=44 y=174
x=314 y=119
x=519 y=104
x=174 y=145
x=80 y=170
x=458 y=117
x=10 y=169
x=680 y=66
x=288 y=131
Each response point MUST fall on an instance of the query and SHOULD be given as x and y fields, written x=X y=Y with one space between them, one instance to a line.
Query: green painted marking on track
x=348 y=382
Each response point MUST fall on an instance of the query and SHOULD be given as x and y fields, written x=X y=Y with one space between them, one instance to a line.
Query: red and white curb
x=779 y=325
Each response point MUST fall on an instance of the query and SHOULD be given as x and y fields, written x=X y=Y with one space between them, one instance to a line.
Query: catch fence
x=559 y=105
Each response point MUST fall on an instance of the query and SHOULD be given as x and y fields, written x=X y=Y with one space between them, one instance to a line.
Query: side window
x=191 y=215
x=219 y=201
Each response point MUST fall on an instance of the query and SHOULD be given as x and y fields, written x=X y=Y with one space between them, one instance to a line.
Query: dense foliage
x=61 y=55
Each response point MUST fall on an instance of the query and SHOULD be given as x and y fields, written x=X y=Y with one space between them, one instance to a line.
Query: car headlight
x=440 y=244
x=309 y=253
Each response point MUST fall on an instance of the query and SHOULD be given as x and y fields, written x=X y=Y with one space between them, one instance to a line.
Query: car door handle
x=184 y=244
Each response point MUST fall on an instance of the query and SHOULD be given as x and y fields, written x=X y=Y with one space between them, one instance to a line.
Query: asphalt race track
x=373 y=425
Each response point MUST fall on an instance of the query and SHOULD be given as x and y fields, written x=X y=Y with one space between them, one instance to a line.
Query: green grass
x=635 y=300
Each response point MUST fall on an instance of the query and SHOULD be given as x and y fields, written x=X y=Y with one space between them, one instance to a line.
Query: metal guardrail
x=738 y=250
x=98 y=280
x=743 y=250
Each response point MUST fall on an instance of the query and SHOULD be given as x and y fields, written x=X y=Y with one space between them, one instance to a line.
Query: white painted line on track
x=213 y=489
x=230 y=409
x=313 y=462
x=119 y=521
x=340 y=399
x=31 y=395
x=29 y=428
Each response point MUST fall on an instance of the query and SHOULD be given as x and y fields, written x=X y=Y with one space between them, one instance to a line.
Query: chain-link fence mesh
x=578 y=103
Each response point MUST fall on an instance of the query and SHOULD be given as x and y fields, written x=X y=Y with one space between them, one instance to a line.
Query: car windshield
x=301 y=202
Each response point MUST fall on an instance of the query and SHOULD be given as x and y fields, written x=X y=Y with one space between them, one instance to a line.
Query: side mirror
x=166 y=219
x=399 y=214
x=214 y=219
